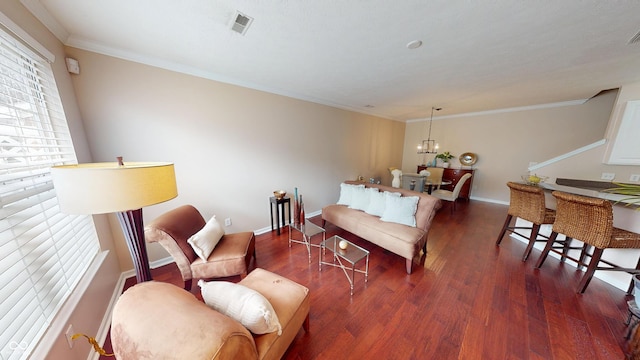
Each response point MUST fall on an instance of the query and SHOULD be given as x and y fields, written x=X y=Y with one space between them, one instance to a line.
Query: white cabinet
x=624 y=146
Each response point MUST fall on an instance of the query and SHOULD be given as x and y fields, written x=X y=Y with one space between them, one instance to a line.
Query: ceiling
x=476 y=55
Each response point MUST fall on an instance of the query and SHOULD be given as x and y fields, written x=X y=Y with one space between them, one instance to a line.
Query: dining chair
x=527 y=203
x=435 y=174
x=426 y=173
x=589 y=220
x=452 y=196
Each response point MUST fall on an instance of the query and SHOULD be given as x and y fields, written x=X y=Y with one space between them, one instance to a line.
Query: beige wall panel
x=231 y=146
x=506 y=142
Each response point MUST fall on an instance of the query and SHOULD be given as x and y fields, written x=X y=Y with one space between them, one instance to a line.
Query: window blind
x=43 y=252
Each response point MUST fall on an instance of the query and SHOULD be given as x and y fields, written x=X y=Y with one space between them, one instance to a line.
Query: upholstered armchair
x=230 y=257
x=156 y=320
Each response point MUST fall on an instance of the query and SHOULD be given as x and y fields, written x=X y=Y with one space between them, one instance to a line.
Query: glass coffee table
x=346 y=259
x=307 y=230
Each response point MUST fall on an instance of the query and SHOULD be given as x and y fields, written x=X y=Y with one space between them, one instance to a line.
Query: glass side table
x=308 y=230
x=343 y=257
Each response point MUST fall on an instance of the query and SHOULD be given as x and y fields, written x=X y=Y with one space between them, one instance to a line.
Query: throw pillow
x=377 y=202
x=346 y=193
x=244 y=305
x=401 y=210
x=362 y=197
x=204 y=241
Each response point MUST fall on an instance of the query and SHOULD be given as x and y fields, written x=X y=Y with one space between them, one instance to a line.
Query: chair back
x=460 y=184
x=435 y=174
x=527 y=202
x=587 y=219
x=172 y=230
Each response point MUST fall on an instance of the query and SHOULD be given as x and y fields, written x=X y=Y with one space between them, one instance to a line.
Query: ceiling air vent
x=241 y=23
x=635 y=39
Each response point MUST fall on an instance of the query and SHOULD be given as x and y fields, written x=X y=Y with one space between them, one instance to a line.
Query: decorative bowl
x=279 y=194
x=533 y=179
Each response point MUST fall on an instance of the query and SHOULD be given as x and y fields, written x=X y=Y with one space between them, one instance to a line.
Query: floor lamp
x=101 y=188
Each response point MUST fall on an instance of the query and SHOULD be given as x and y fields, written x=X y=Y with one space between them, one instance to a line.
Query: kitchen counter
x=588 y=188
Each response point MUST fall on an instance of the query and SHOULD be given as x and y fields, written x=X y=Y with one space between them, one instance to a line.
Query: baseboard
x=268 y=228
x=494 y=201
x=105 y=324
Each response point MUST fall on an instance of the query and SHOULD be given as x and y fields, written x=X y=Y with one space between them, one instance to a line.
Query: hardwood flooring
x=472 y=300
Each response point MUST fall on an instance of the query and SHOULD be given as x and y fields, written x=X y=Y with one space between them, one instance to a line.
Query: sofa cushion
x=362 y=198
x=290 y=301
x=205 y=240
x=377 y=202
x=346 y=193
x=401 y=210
x=242 y=304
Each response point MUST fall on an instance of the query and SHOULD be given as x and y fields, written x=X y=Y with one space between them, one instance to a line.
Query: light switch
x=608 y=176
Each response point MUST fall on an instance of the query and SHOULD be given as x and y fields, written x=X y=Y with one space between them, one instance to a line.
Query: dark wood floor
x=472 y=300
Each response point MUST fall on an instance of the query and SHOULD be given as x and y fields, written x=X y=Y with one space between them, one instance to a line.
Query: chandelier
x=429 y=146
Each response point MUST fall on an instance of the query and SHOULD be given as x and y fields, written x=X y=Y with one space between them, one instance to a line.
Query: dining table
x=429 y=184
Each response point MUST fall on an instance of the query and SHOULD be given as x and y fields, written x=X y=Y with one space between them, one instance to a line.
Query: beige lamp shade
x=100 y=188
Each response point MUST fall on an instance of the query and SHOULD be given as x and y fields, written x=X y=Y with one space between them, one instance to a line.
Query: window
x=43 y=253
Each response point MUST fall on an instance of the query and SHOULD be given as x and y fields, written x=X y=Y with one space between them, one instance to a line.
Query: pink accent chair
x=231 y=256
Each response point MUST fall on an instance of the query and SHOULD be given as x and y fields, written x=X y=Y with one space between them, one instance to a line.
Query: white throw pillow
x=401 y=210
x=244 y=305
x=377 y=202
x=346 y=193
x=362 y=198
x=204 y=241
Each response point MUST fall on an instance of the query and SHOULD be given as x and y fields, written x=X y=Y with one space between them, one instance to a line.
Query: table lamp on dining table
x=100 y=188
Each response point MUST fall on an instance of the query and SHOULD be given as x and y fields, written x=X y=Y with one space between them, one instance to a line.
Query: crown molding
x=507 y=110
x=41 y=13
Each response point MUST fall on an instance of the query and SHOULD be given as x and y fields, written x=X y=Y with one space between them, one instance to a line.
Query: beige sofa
x=155 y=320
x=403 y=240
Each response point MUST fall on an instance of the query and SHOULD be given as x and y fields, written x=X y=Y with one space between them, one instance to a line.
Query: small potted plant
x=630 y=191
x=445 y=157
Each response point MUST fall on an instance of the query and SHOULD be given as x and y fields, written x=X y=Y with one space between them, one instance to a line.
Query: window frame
x=48 y=248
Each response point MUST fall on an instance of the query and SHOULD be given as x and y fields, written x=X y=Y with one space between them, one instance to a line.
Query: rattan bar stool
x=527 y=202
x=589 y=220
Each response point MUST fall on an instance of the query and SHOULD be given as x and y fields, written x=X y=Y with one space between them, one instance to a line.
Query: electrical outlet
x=227 y=222
x=68 y=334
x=634 y=177
x=608 y=176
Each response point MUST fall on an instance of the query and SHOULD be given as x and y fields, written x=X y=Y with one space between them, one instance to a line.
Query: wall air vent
x=241 y=23
x=635 y=39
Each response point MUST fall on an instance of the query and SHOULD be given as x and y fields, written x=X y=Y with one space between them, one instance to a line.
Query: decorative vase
x=296 y=209
x=301 y=211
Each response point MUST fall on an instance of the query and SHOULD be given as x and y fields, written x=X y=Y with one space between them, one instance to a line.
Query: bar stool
x=633 y=317
x=527 y=203
x=589 y=220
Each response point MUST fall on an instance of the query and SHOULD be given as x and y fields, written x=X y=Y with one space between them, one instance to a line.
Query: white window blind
x=43 y=253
